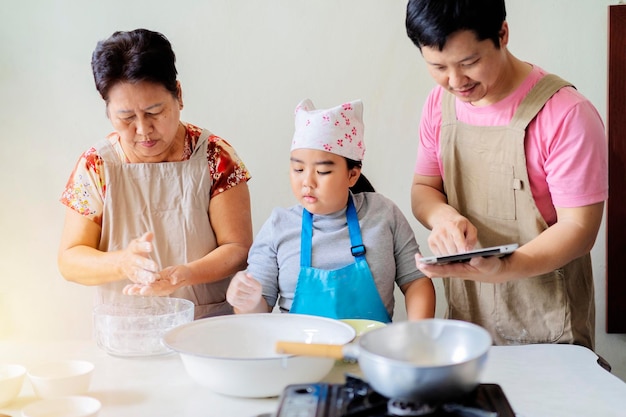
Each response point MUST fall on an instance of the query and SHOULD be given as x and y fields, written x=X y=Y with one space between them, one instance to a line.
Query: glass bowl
x=135 y=326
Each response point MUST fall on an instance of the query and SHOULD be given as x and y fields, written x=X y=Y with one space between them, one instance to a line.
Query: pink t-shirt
x=566 y=147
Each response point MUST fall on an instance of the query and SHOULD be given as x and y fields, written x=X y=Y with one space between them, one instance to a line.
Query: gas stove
x=355 y=398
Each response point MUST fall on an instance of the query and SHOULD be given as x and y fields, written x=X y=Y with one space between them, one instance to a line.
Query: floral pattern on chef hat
x=338 y=130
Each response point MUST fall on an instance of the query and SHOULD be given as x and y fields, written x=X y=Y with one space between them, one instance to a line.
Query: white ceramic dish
x=61 y=378
x=235 y=355
x=135 y=325
x=11 y=381
x=72 y=406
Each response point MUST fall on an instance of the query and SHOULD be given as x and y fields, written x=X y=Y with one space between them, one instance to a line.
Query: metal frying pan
x=427 y=361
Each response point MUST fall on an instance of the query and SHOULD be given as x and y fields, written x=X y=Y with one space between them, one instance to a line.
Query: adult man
x=507 y=154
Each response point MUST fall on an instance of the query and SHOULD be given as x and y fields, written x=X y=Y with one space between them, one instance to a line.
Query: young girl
x=336 y=254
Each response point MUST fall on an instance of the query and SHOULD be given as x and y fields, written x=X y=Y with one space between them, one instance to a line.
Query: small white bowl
x=11 y=381
x=61 y=378
x=72 y=406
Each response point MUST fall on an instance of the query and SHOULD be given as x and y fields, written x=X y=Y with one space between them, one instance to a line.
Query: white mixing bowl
x=235 y=355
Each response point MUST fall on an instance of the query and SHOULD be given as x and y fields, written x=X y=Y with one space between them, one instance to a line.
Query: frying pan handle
x=310 y=349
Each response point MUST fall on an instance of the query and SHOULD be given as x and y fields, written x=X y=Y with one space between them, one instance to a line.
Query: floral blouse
x=86 y=188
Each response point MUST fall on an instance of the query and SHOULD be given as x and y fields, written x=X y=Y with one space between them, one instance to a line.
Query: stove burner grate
x=356 y=398
x=409 y=408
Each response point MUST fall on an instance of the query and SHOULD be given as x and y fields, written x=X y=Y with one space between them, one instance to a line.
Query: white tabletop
x=555 y=380
x=538 y=380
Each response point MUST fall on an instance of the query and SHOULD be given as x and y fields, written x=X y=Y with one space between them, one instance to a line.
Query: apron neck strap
x=357 y=249
x=306 y=238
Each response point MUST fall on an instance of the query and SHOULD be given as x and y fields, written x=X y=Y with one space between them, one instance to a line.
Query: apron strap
x=105 y=149
x=534 y=101
x=306 y=237
x=204 y=135
x=448 y=110
x=357 y=249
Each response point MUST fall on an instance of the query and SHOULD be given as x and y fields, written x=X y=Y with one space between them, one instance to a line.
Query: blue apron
x=344 y=293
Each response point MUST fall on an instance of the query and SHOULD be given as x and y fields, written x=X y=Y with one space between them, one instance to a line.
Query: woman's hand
x=135 y=262
x=245 y=294
x=167 y=281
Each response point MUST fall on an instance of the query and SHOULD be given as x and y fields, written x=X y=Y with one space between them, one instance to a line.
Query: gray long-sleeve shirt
x=274 y=259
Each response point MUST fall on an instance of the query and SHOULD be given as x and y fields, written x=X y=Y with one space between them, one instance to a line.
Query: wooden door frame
x=616 y=204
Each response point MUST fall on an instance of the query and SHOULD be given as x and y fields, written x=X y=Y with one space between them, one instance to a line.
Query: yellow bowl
x=362 y=326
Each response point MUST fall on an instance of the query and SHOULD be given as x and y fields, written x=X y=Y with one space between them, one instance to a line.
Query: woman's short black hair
x=430 y=22
x=134 y=56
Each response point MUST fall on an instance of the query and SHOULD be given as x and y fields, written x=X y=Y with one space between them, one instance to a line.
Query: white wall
x=244 y=65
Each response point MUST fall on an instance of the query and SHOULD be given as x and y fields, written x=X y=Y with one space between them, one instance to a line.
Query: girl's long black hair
x=362 y=184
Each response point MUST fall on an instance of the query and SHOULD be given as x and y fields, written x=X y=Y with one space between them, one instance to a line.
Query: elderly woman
x=159 y=206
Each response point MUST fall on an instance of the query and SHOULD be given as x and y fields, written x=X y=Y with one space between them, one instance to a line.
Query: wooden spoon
x=311 y=349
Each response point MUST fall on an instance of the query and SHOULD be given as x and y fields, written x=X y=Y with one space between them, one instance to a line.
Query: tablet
x=501 y=250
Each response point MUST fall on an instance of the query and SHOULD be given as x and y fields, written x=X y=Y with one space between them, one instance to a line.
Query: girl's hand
x=245 y=294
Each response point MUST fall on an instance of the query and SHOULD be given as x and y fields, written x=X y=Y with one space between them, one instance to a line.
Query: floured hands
x=166 y=282
x=136 y=264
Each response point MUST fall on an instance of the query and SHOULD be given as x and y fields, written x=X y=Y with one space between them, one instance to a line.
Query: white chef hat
x=338 y=130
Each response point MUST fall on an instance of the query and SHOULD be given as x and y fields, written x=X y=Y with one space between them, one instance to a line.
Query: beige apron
x=170 y=199
x=486 y=180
